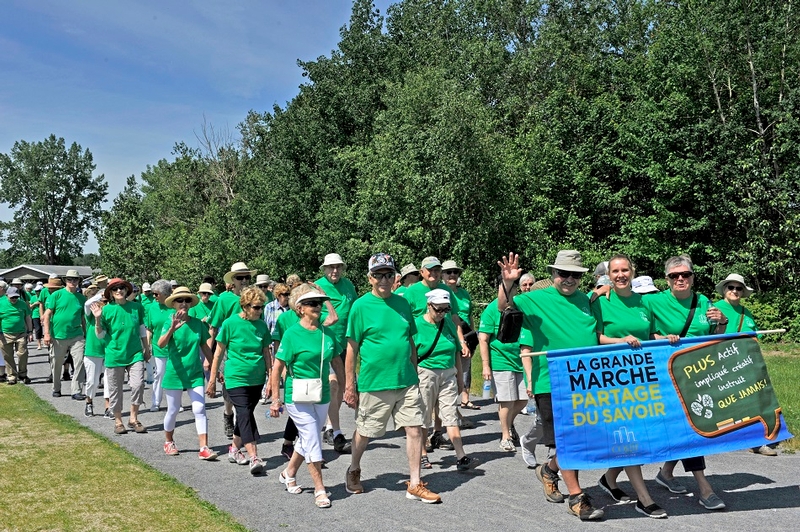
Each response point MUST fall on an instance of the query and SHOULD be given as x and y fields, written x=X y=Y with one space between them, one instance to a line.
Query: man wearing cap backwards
x=409 y=275
x=15 y=322
x=342 y=294
x=227 y=305
x=558 y=317
x=380 y=331
x=65 y=329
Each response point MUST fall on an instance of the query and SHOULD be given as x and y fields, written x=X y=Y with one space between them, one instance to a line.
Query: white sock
x=336 y=433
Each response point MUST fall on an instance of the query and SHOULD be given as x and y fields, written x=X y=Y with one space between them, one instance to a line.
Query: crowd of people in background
x=402 y=351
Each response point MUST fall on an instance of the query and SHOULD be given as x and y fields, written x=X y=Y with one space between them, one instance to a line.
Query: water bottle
x=711 y=322
x=531 y=408
x=487 y=389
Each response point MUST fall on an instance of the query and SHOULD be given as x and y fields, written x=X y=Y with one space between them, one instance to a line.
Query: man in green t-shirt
x=558 y=317
x=65 y=329
x=342 y=294
x=408 y=276
x=380 y=332
x=15 y=322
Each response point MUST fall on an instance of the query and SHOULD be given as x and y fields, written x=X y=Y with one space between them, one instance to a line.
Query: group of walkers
x=401 y=351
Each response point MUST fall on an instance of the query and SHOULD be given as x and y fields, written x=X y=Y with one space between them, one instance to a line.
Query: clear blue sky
x=128 y=79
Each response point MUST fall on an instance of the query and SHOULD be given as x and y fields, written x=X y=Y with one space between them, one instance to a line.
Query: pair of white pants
x=309 y=418
x=158 y=377
x=198 y=409
x=94 y=367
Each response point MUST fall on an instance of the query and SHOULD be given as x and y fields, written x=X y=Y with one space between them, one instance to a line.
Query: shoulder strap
x=433 y=345
x=741 y=321
x=690 y=317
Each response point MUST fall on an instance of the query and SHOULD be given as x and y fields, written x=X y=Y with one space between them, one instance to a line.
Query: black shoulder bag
x=433 y=345
x=510 y=322
x=690 y=318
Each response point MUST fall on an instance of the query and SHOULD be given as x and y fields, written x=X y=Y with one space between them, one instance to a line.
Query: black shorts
x=544 y=409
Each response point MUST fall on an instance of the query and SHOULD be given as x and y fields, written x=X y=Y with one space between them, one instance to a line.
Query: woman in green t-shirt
x=306 y=351
x=623 y=318
x=671 y=311
x=451 y=274
x=36 y=316
x=245 y=339
x=184 y=339
x=439 y=369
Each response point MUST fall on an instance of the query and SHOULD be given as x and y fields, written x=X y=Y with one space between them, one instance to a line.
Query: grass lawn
x=59 y=475
x=783 y=363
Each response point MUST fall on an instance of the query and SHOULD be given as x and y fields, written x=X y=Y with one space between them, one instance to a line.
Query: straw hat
x=239 y=268
x=180 y=293
x=312 y=295
x=54 y=283
x=206 y=288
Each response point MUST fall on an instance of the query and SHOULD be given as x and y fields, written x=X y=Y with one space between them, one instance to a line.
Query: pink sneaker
x=206 y=454
x=170 y=449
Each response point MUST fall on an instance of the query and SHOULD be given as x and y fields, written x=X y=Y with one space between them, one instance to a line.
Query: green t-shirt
x=43 y=295
x=157 y=314
x=201 y=311
x=147 y=300
x=67 y=319
x=401 y=291
x=12 y=315
x=502 y=356
x=122 y=324
x=734 y=316
x=342 y=295
x=226 y=306
x=444 y=354
x=35 y=313
x=461 y=300
x=213 y=299
x=619 y=317
x=384 y=330
x=415 y=295
x=285 y=320
x=245 y=341
x=301 y=349
x=555 y=322
x=95 y=347
x=184 y=368
x=670 y=314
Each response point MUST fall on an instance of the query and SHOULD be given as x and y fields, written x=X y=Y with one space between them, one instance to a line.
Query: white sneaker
x=528 y=457
x=154 y=408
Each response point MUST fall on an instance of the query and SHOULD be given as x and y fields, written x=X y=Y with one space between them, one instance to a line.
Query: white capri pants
x=198 y=409
x=94 y=367
x=310 y=420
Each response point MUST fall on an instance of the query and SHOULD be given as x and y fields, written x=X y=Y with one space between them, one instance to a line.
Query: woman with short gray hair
x=157 y=313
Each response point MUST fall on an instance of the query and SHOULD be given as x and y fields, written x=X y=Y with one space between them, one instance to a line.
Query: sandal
x=469 y=405
x=294 y=490
x=323 y=502
x=120 y=429
x=137 y=427
x=425 y=463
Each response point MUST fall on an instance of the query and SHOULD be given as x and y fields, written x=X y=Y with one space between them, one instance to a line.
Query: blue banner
x=617 y=406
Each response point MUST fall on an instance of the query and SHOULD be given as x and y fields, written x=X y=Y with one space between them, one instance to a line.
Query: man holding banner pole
x=558 y=317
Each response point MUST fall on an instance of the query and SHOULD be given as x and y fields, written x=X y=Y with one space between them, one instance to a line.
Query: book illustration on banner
x=724 y=386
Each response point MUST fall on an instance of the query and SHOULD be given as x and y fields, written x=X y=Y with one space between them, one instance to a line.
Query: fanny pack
x=309 y=390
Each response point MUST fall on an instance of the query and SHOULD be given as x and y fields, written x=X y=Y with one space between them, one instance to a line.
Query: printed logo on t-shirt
x=585 y=310
x=643 y=316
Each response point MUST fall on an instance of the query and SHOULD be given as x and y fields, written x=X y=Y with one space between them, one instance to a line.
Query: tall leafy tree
x=55 y=197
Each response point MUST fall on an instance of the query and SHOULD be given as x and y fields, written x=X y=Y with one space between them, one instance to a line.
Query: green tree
x=55 y=198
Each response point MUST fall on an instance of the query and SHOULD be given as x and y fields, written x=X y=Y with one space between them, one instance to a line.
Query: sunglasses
x=383 y=276
x=680 y=275
x=243 y=277
x=183 y=300
x=439 y=310
x=285 y=294
x=313 y=304
x=566 y=275
x=119 y=289
x=451 y=272
x=256 y=307
x=72 y=279
x=734 y=288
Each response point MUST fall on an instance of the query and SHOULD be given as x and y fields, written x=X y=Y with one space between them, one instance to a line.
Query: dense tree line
x=467 y=128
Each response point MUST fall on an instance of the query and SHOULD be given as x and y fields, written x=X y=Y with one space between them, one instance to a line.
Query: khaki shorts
x=438 y=387
x=404 y=406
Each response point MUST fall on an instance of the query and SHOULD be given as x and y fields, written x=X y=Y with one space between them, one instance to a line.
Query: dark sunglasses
x=119 y=289
x=734 y=288
x=452 y=272
x=73 y=279
x=243 y=277
x=183 y=300
x=285 y=294
x=256 y=307
x=440 y=309
x=680 y=275
x=383 y=276
x=565 y=274
x=313 y=304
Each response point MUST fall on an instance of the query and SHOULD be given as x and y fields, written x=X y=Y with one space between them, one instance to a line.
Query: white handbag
x=309 y=390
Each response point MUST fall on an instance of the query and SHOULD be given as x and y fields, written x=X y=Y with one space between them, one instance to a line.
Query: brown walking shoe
x=421 y=493
x=352 y=481
x=549 y=482
x=581 y=505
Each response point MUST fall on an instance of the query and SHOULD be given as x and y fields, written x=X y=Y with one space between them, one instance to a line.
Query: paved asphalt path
x=762 y=493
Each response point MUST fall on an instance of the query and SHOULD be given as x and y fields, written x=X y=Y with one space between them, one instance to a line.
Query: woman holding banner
x=678 y=312
x=625 y=320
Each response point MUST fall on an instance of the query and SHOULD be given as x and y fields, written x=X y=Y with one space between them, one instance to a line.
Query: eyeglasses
x=335 y=266
x=183 y=300
x=285 y=294
x=256 y=307
x=440 y=310
x=383 y=276
x=566 y=275
x=243 y=277
x=734 y=288
x=14 y=298
x=119 y=289
x=314 y=304
x=452 y=272
x=680 y=275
